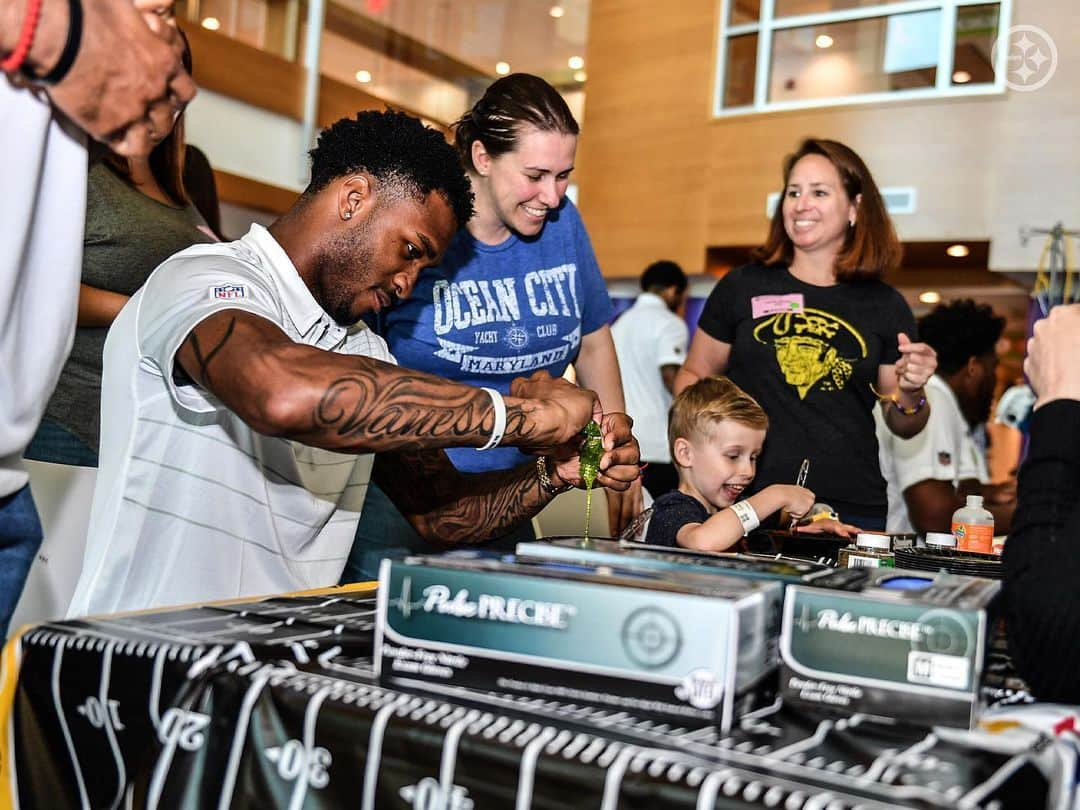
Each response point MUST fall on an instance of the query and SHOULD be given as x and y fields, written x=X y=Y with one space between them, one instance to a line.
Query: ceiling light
x=930 y=297
x=556 y=11
x=502 y=68
x=957 y=251
x=363 y=76
x=580 y=76
x=211 y=23
x=824 y=41
x=575 y=63
x=961 y=77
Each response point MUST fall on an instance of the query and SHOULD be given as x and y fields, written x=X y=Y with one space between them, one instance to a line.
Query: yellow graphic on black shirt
x=813 y=348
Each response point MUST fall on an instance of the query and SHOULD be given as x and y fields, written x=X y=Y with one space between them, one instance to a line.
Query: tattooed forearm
x=204 y=360
x=361 y=404
x=397 y=409
x=452 y=508
x=476 y=518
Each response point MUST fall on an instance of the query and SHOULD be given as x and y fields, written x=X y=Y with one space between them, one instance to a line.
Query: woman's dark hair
x=870 y=246
x=167 y=158
x=510 y=104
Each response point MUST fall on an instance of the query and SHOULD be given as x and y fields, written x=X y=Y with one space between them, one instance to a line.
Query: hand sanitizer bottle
x=973 y=526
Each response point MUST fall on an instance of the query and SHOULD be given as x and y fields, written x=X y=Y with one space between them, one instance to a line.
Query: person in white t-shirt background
x=109 y=69
x=243 y=397
x=928 y=476
x=650 y=341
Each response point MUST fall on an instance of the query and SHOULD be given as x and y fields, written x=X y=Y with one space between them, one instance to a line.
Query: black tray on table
x=815 y=547
x=955 y=562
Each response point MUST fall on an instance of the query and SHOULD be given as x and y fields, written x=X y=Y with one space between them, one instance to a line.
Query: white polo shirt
x=191 y=504
x=42 y=209
x=944 y=450
x=647 y=337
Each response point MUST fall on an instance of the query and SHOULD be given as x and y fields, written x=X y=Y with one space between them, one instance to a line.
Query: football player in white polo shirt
x=243 y=397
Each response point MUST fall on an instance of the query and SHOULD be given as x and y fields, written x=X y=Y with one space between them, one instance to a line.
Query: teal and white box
x=912 y=655
x=687 y=649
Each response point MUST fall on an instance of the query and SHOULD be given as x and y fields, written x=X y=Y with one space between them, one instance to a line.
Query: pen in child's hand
x=804 y=471
x=800 y=481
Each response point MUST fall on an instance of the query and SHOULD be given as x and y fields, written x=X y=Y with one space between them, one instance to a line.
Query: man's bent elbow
x=274 y=402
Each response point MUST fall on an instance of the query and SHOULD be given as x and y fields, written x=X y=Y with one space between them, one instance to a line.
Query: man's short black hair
x=959 y=330
x=663 y=274
x=397 y=149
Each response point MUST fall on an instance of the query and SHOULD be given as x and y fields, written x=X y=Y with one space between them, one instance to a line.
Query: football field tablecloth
x=273 y=704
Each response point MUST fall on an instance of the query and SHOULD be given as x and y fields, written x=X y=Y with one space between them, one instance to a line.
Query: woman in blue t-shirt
x=518 y=291
x=812 y=332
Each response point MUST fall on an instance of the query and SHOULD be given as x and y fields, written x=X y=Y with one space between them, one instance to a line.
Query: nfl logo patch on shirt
x=229 y=291
x=944 y=458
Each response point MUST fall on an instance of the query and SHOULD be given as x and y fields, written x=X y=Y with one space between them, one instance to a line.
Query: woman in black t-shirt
x=812 y=333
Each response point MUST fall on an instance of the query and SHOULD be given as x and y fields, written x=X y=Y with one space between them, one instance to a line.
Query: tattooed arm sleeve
x=358 y=404
x=449 y=507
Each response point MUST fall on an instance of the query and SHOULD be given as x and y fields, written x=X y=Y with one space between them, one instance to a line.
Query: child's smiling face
x=719 y=465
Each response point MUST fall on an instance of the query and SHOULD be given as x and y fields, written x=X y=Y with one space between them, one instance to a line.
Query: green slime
x=592 y=449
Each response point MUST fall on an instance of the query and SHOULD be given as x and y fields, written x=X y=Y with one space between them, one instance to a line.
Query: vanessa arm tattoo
x=352 y=403
x=386 y=406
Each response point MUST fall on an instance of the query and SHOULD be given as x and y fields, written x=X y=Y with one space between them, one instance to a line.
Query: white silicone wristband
x=500 y=419
x=746 y=515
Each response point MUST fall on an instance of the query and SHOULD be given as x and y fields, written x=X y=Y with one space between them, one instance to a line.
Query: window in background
x=740 y=69
x=253 y=22
x=976 y=30
x=794 y=8
x=744 y=11
x=790 y=54
x=430 y=58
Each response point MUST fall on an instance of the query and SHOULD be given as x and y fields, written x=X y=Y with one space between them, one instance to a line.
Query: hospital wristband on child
x=746 y=515
x=500 y=419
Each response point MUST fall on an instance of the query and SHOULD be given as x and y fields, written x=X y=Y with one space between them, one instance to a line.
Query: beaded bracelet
x=895 y=400
x=14 y=60
x=918 y=406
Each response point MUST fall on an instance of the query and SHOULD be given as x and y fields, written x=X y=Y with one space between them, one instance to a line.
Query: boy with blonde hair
x=716 y=431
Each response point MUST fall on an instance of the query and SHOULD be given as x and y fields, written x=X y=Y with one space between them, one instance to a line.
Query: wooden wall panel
x=340 y=100
x=243 y=191
x=237 y=70
x=659 y=176
x=644 y=138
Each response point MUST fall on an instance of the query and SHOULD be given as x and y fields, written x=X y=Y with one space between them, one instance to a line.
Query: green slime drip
x=592 y=449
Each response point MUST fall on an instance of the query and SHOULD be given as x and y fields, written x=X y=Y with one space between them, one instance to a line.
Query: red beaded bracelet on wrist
x=14 y=60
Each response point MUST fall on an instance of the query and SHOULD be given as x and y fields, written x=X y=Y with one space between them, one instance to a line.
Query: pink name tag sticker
x=762 y=305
